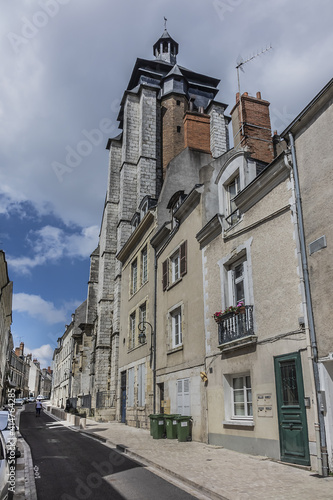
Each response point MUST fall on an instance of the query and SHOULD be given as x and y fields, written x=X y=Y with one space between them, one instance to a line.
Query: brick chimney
x=251 y=126
x=197 y=131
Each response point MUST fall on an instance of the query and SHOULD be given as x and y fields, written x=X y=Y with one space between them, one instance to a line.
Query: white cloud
x=36 y=307
x=50 y=244
x=43 y=354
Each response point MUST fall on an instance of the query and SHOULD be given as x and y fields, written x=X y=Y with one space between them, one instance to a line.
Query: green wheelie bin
x=184 y=428
x=157 y=426
x=171 y=425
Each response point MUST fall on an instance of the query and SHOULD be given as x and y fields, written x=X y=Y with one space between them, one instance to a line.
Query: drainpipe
x=321 y=430
x=154 y=334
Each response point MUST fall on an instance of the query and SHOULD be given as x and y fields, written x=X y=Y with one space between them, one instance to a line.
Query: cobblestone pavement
x=214 y=472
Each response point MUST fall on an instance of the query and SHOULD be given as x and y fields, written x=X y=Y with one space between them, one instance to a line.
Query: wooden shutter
x=165 y=275
x=183 y=258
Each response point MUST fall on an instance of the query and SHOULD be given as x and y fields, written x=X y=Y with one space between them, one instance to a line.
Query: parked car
x=19 y=402
x=4 y=469
x=31 y=399
x=40 y=397
x=9 y=431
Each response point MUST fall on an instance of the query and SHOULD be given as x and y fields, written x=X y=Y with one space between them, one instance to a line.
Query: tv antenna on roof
x=240 y=64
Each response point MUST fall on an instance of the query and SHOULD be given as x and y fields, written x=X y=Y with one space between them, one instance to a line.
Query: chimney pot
x=258 y=95
x=245 y=94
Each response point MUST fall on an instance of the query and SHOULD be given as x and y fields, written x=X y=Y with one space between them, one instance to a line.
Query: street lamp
x=142 y=339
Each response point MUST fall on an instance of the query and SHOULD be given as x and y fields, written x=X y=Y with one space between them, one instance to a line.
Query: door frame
x=123 y=378
x=291 y=410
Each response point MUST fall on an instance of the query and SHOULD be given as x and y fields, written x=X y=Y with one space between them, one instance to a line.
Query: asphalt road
x=71 y=466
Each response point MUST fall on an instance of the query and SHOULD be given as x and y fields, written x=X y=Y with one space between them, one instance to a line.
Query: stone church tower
x=165 y=109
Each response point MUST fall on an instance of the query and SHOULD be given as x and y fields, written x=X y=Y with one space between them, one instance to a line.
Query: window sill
x=239 y=423
x=132 y=294
x=174 y=283
x=175 y=349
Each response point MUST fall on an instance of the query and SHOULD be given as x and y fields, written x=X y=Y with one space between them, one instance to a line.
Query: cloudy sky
x=64 y=67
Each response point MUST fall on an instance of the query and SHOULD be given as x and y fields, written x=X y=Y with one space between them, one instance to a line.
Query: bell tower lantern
x=166 y=49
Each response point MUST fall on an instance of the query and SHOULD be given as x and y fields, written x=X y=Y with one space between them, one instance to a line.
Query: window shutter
x=183 y=258
x=165 y=275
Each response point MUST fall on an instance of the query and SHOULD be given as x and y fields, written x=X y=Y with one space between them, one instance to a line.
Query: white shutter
x=246 y=283
x=186 y=397
x=141 y=384
x=231 y=289
x=180 y=397
x=130 y=400
x=183 y=397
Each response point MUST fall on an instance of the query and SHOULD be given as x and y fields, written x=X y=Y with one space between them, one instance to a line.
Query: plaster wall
x=315 y=168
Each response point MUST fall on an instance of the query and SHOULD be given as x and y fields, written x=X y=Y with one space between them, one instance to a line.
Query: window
x=175 y=267
x=135 y=221
x=130 y=399
x=144 y=209
x=142 y=313
x=132 y=329
x=141 y=384
x=144 y=265
x=232 y=190
x=134 y=276
x=183 y=396
x=178 y=129
x=242 y=397
x=237 y=283
x=176 y=327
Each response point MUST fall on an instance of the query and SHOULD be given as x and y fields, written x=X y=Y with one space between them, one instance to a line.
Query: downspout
x=322 y=434
x=154 y=334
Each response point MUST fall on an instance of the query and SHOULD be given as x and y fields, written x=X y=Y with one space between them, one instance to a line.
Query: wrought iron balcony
x=236 y=326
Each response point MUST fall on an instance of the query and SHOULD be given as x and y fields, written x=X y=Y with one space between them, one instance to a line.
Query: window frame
x=132 y=330
x=144 y=265
x=134 y=276
x=176 y=323
x=246 y=390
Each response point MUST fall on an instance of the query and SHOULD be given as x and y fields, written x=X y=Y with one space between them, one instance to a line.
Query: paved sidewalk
x=217 y=472
x=212 y=471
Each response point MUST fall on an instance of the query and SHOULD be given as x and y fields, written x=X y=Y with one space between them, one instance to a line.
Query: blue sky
x=65 y=65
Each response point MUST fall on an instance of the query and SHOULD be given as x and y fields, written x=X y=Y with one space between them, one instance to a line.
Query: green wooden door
x=294 y=442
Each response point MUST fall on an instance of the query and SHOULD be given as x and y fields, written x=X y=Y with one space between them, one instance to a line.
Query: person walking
x=38 y=407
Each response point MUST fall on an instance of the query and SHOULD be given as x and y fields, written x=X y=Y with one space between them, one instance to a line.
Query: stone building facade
x=192 y=228
x=6 y=287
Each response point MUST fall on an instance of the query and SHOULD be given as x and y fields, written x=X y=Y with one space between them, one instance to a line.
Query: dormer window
x=144 y=209
x=146 y=204
x=135 y=221
x=174 y=203
x=232 y=189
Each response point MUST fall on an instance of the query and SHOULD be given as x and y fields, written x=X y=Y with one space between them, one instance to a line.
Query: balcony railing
x=236 y=326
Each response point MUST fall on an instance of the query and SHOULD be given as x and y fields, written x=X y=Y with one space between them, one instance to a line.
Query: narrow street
x=69 y=465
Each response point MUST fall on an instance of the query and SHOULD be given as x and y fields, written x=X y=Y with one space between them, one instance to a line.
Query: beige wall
x=267 y=231
x=315 y=167
x=133 y=356
x=188 y=360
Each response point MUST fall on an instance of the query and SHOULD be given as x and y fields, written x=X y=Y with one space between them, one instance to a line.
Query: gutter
x=323 y=465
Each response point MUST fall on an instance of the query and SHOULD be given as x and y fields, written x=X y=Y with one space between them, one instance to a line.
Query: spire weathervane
x=165 y=21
